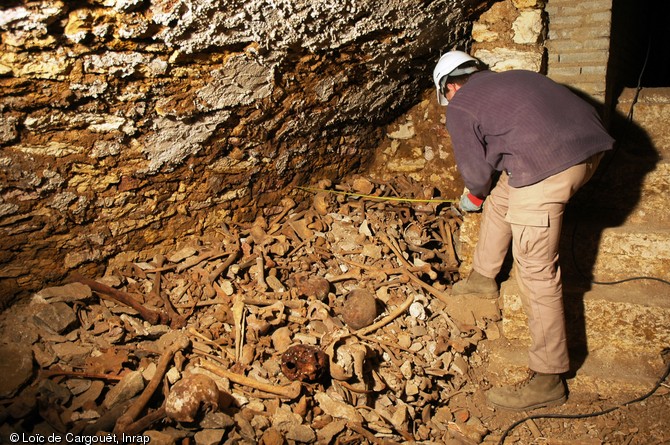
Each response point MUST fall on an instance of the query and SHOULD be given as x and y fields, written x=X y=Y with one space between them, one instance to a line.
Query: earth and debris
x=327 y=321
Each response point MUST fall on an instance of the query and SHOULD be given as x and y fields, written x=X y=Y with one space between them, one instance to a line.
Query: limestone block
x=528 y=27
x=622 y=251
x=654 y=205
x=651 y=112
x=500 y=13
x=481 y=33
x=504 y=59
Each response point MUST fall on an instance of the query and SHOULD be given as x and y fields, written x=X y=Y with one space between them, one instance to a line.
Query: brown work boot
x=537 y=391
x=476 y=285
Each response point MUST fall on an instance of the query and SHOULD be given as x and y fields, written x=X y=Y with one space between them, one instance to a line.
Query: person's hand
x=470 y=203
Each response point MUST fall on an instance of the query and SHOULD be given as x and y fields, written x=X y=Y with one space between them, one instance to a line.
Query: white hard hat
x=448 y=65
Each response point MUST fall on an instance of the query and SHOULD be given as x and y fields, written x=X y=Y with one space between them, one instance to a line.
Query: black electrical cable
x=583 y=416
x=629 y=117
x=609 y=283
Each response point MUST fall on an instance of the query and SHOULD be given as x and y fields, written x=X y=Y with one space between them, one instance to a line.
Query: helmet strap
x=443 y=84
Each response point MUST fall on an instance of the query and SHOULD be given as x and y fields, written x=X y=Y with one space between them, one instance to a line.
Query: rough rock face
x=128 y=123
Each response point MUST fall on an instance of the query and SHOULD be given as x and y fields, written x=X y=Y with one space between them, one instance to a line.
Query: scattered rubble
x=321 y=323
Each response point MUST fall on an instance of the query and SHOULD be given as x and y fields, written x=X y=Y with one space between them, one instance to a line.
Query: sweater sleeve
x=470 y=152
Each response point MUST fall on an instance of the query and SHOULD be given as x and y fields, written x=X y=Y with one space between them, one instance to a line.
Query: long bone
x=128 y=418
x=152 y=316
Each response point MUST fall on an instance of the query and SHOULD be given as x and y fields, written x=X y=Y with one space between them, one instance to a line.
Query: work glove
x=470 y=203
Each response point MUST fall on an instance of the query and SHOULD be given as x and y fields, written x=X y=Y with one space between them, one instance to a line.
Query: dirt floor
x=587 y=417
x=323 y=323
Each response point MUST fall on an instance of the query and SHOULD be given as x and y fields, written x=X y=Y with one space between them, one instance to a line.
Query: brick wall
x=579 y=44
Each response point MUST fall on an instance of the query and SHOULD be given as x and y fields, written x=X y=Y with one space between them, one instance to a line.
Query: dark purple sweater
x=523 y=123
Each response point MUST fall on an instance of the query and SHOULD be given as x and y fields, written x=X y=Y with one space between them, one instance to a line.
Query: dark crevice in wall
x=640 y=45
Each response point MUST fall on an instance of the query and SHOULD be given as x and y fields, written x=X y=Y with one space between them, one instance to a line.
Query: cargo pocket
x=532 y=235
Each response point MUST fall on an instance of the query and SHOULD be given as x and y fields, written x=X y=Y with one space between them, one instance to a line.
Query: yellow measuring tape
x=381 y=198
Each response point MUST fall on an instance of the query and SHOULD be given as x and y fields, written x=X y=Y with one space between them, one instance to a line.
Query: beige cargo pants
x=531 y=218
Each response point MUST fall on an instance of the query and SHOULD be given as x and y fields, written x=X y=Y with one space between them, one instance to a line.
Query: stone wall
x=511 y=35
x=127 y=124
